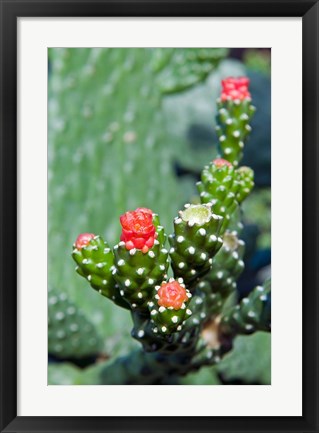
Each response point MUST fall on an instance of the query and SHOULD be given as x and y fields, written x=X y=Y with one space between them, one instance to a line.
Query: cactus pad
x=70 y=333
x=180 y=69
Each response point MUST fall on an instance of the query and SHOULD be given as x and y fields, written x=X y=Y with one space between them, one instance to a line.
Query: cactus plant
x=183 y=322
x=106 y=117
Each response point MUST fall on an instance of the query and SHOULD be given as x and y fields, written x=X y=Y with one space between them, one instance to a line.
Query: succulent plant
x=183 y=321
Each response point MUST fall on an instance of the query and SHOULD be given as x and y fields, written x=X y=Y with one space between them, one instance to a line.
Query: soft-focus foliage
x=249 y=361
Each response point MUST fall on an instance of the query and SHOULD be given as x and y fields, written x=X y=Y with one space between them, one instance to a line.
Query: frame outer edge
x=8 y=215
x=310 y=215
x=8 y=218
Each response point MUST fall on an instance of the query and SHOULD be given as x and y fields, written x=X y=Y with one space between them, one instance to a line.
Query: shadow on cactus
x=177 y=286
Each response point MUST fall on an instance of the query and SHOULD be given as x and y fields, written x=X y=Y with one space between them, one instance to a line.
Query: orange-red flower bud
x=220 y=162
x=138 y=230
x=172 y=295
x=83 y=240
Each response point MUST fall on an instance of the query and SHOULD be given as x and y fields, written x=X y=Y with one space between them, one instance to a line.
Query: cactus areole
x=172 y=294
x=235 y=89
x=138 y=230
x=83 y=240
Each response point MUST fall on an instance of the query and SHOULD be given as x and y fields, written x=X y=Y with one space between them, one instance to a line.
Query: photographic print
x=159 y=199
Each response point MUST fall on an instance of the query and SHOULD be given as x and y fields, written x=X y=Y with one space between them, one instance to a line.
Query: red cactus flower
x=172 y=295
x=83 y=240
x=235 y=88
x=221 y=162
x=138 y=230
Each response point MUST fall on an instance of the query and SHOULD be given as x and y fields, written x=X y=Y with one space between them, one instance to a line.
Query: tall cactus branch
x=234 y=114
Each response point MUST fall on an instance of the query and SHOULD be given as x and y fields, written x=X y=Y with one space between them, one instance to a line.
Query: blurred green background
x=133 y=128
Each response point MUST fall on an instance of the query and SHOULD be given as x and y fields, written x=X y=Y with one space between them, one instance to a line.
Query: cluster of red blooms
x=235 y=88
x=138 y=230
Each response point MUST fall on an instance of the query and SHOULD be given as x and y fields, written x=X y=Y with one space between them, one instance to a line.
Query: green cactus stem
x=195 y=242
x=168 y=308
x=160 y=232
x=164 y=357
x=94 y=260
x=181 y=341
x=227 y=266
x=137 y=273
x=251 y=315
x=141 y=261
x=219 y=186
x=233 y=117
x=245 y=178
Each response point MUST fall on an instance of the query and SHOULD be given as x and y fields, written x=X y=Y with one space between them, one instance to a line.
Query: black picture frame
x=10 y=11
